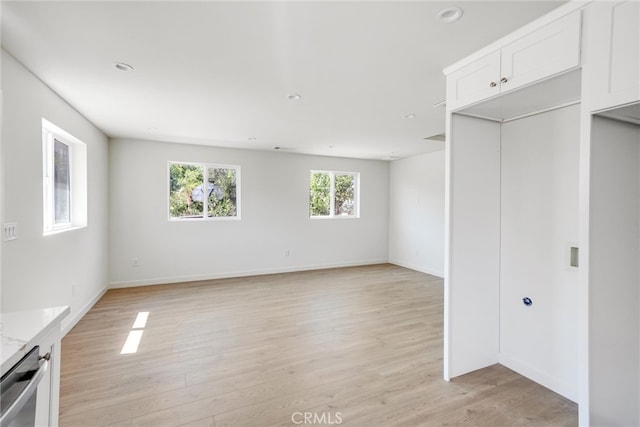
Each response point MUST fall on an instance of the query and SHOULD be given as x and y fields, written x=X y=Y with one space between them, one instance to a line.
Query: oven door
x=18 y=389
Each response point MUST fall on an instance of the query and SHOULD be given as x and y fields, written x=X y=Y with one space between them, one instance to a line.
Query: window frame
x=332 y=194
x=77 y=168
x=205 y=203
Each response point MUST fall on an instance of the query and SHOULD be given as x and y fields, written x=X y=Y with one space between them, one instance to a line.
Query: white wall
x=275 y=217
x=472 y=266
x=539 y=223
x=416 y=213
x=63 y=269
x=614 y=288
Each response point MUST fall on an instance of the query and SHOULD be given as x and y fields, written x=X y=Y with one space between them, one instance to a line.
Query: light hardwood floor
x=359 y=345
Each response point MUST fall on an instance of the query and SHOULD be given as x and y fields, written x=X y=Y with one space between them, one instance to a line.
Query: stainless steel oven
x=18 y=389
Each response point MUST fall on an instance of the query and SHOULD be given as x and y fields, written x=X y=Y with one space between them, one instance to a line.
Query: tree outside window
x=333 y=194
x=190 y=196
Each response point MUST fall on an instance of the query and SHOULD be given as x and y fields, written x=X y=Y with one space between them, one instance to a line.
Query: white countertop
x=21 y=330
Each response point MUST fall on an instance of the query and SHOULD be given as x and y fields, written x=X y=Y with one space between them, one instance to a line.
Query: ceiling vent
x=440 y=137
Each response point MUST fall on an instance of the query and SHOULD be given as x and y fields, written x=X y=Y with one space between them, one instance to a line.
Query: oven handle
x=28 y=391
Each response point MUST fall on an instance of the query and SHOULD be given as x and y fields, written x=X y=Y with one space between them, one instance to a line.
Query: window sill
x=209 y=219
x=339 y=217
x=63 y=230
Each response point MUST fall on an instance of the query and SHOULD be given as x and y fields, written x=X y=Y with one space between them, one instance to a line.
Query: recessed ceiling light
x=450 y=14
x=410 y=116
x=122 y=66
x=252 y=139
x=295 y=96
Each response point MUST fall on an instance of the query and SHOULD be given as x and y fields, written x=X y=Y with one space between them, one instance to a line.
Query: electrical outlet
x=10 y=231
x=286 y=252
x=135 y=262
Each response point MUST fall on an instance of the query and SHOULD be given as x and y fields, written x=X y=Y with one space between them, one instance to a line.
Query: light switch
x=10 y=231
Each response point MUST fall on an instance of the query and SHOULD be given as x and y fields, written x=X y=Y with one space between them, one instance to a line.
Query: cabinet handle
x=492 y=84
x=503 y=80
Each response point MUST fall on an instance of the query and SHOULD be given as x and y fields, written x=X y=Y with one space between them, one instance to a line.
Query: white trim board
x=437 y=273
x=73 y=320
x=234 y=274
x=541 y=378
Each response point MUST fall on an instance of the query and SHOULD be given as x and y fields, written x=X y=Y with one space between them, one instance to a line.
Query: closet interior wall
x=538 y=226
x=614 y=289
x=472 y=214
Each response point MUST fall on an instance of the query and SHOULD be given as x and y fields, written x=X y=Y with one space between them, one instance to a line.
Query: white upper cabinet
x=550 y=50
x=613 y=43
x=478 y=80
x=547 y=51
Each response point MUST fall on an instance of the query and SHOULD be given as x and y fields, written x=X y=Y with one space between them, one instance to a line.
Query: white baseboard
x=73 y=320
x=437 y=273
x=232 y=274
x=541 y=378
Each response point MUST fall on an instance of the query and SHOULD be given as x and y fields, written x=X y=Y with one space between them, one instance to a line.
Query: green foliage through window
x=320 y=194
x=333 y=194
x=222 y=192
x=190 y=196
x=345 y=194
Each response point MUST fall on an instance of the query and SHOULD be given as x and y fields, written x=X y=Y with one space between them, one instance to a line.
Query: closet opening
x=614 y=272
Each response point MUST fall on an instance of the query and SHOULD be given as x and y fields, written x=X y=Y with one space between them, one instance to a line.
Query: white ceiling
x=219 y=73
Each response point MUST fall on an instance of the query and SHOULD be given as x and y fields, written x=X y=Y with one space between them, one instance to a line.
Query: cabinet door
x=550 y=50
x=614 y=53
x=474 y=82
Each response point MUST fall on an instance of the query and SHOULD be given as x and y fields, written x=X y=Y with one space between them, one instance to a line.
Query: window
x=64 y=172
x=196 y=188
x=334 y=194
